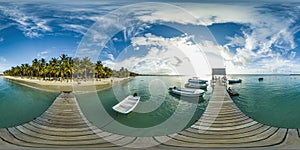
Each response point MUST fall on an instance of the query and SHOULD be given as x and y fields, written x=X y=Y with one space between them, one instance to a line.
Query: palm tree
x=35 y=68
x=69 y=67
x=42 y=71
x=99 y=71
x=77 y=71
x=17 y=71
x=64 y=68
x=108 y=72
x=87 y=66
x=14 y=71
x=26 y=70
x=53 y=67
x=47 y=71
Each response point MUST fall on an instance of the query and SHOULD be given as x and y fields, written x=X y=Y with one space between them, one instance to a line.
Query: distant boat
x=232 y=92
x=187 y=92
x=197 y=80
x=128 y=104
x=294 y=74
x=260 y=79
x=234 y=81
x=196 y=85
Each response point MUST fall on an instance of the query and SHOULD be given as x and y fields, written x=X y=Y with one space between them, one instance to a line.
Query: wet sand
x=81 y=86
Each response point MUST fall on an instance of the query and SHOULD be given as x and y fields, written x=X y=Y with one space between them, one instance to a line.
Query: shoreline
x=74 y=86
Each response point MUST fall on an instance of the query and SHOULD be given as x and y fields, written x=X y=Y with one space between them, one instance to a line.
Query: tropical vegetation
x=66 y=68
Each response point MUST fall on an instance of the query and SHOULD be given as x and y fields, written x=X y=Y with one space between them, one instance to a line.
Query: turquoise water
x=274 y=101
x=20 y=104
x=158 y=112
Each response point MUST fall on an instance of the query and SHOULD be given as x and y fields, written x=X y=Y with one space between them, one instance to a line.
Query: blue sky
x=251 y=37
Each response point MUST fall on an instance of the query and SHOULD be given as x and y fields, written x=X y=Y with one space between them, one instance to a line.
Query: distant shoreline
x=161 y=75
x=77 y=86
x=267 y=74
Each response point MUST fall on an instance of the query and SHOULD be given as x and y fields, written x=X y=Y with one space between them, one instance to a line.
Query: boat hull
x=127 y=105
x=197 y=81
x=234 y=81
x=187 y=92
x=196 y=85
x=233 y=93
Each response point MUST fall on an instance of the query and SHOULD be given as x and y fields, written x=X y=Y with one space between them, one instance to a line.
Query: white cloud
x=292 y=55
x=2 y=59
x=75 y=28
x=195 y=13
x=236 y=41
x=264 y=31
x=267 y=31
x=89 y=52
x=260 y=43
x=1 y=39
x=164 y=56
x=111 y=57
x=277 y=65
x=43 y=54
x=154 y=13
x=29 y=24
x=3 y=65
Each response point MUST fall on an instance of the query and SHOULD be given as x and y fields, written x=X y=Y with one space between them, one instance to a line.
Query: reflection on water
x=274 y=101
x=20 y=104
x=158 y=112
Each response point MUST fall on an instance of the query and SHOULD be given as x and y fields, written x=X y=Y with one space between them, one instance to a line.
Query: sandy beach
x=81 y=85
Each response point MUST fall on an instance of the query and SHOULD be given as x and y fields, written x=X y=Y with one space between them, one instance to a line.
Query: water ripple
x=274 y=101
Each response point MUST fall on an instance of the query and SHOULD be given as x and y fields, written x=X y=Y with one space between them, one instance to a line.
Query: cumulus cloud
x=267 y=33
x=177 y=55
x=235 y=41
x=195 y=13
x=110 y=56
x=270 y=40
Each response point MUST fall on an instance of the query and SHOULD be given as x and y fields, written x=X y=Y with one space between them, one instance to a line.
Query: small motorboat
x=187 y=92
x=232 y=92
x=260 y=79
x=128 y=104
x=231 y=81
x=196 y=85
x=197 y=80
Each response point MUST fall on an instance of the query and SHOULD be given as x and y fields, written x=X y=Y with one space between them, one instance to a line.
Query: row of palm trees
x=65 y=67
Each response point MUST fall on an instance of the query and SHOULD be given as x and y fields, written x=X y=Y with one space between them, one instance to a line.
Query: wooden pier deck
x=222 y=125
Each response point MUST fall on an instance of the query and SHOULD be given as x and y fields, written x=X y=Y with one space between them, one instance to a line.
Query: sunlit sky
x=251 y=37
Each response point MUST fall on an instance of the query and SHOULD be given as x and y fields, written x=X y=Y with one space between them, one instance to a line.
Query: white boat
x=187 y=92
x=127 y=105
x=196 y=85
x=197 y=80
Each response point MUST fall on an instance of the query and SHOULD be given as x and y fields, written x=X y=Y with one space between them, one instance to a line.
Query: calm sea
x=274 y=101
x=20 y=104
x=158 y=112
